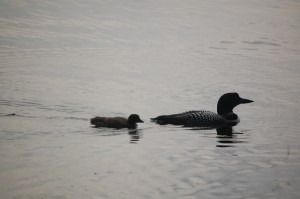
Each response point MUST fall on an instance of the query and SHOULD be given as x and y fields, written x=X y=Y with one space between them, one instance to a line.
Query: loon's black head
x=134 y=118
x=228 y=101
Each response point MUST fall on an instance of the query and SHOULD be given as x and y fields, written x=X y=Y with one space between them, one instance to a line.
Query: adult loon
x=117 y=122
x=225 y=116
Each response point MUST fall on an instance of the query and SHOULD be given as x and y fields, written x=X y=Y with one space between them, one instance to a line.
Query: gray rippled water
x=63 y=62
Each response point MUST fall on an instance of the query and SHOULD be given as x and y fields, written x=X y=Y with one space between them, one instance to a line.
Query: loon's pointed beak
x=245 y=101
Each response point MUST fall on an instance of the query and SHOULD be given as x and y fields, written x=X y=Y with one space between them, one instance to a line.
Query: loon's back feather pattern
x=192 y=118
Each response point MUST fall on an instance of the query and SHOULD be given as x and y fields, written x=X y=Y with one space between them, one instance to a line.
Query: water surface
x=62 y=63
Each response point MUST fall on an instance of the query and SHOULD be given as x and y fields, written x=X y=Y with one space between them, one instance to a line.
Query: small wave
x=226 y=42
x=260 y=43
x=43 y=117
x=10 y=114
x=15 y=115
x=45 y=107
x=68 y=118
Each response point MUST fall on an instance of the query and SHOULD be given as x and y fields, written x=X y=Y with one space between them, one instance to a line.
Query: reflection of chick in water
x=135 y=135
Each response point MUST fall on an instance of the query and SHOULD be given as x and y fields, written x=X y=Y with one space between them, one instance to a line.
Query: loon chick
x=117 y=122
x=209 y=119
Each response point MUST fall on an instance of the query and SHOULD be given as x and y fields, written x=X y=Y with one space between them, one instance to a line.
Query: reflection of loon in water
x=206 y=119
x=227 y=137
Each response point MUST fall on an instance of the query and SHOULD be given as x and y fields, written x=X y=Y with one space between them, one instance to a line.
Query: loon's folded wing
x=192 y=118
x=176 y=119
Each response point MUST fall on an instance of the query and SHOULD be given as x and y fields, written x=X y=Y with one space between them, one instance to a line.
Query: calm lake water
x=63 y=62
